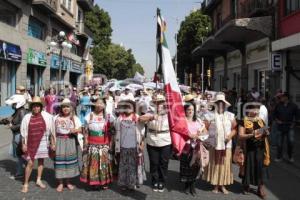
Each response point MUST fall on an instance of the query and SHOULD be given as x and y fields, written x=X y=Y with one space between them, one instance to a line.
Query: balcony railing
x=83 y=29
x=254 y=8
x=46 y=5
x=87 y=5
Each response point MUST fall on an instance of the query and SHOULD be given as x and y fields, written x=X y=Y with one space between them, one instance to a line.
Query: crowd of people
x=113 y=128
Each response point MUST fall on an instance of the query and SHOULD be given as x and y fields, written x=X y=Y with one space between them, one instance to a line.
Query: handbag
x=267 y=158
x=239 y=156
x=51 y=153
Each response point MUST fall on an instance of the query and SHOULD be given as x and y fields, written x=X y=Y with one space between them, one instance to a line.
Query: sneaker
x=155 y=187
x=291 y=160
x=161 y=187
x=16 y=176
x=278 y=160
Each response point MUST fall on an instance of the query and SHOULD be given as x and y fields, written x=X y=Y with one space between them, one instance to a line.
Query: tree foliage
x=192 y=30
x=110 y=59
x=99 y=22
x=116 y=62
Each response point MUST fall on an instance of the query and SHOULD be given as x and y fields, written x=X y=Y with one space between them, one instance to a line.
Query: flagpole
x=156 y=48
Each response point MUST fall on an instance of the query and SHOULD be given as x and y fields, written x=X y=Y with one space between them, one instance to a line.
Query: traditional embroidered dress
x=194 y=156
x=36 y=129
x=129 y=134
x=219 y=169
x=97 y=161
x=66 y=158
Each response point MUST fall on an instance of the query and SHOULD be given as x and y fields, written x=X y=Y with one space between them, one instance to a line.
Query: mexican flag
x=176 y=115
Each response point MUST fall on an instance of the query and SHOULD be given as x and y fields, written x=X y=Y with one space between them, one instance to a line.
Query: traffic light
x=209 y=73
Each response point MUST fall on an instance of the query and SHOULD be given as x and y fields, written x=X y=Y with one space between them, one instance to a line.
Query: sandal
x=223 y=189
x=104 y=187
x=216 y=191
x=60 y=188
x=41 y=184
x=70 y=186
x=25 y=188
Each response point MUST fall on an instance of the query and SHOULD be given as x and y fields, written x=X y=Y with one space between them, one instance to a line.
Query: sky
x=134 y=25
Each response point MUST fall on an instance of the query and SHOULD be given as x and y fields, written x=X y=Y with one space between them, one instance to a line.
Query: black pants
x=159 y=160
x=289 y=134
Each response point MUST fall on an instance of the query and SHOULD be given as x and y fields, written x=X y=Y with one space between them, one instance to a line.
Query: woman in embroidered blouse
x=36 y=128
x=67 y=128
x=129 y=146
x=253 y=131
x=194 y=156
x=221 y=125
x=97 y=162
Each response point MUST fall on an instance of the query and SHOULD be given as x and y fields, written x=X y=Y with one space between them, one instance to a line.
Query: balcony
x=86 y=5
x=255 y=8
x=209 y=5
x=48 y=6
x=82 y=29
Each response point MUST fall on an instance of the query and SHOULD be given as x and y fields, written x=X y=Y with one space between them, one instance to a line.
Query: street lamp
x=61 y=42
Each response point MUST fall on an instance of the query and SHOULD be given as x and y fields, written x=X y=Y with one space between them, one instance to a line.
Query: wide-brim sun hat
x=189 y=97
x=21 y=88
x=66 y=102
x=36 y=100
x=220 y=96
x=158 y=98
x=17 y=99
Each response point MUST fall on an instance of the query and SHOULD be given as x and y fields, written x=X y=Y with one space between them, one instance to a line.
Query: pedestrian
x=85 y=108
x=221 y=125
x=50 y=101
x=253 y=131
x=194 y=156
x=285 y=115
x=129 y=146
x=67 y=127
x=97 y=159
x=17 y=102
x=36 y=129
x=158 y=143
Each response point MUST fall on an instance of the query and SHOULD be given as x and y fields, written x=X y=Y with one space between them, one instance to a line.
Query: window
x=67 y=4
x=35 y=28
x=9 y=19
x=291 y=6
x=79 y=15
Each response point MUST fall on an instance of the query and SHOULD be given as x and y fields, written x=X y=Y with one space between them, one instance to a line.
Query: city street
x=283 y=183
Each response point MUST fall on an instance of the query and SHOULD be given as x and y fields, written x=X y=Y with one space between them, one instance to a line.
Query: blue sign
x=76 y=67
x=65 y=63
x=10 y=51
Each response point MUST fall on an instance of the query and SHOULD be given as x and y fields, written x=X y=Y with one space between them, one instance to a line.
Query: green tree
x=192 y=29
x=99 y=22
x=116 y=62
x=110 y=59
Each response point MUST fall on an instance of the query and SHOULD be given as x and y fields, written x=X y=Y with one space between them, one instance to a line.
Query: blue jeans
x=274 y=133
x=289 y=134
x=20 y=160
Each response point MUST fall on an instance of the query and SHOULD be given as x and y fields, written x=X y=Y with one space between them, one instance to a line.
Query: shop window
x=291 y=6
x=35 y=28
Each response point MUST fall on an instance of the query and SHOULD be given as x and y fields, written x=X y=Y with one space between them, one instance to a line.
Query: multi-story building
x=287 y=46
x=239 y=45
x=27 y=28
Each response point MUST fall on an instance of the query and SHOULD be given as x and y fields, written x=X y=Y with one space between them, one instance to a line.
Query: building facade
x=27 y=28
x=287 y=46
x=238 y=48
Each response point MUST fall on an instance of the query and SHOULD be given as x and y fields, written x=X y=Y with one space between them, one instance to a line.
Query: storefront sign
x=276 y=62
x=10 y=51
x=76 y=67
x=65 y=62
x=36 y=58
